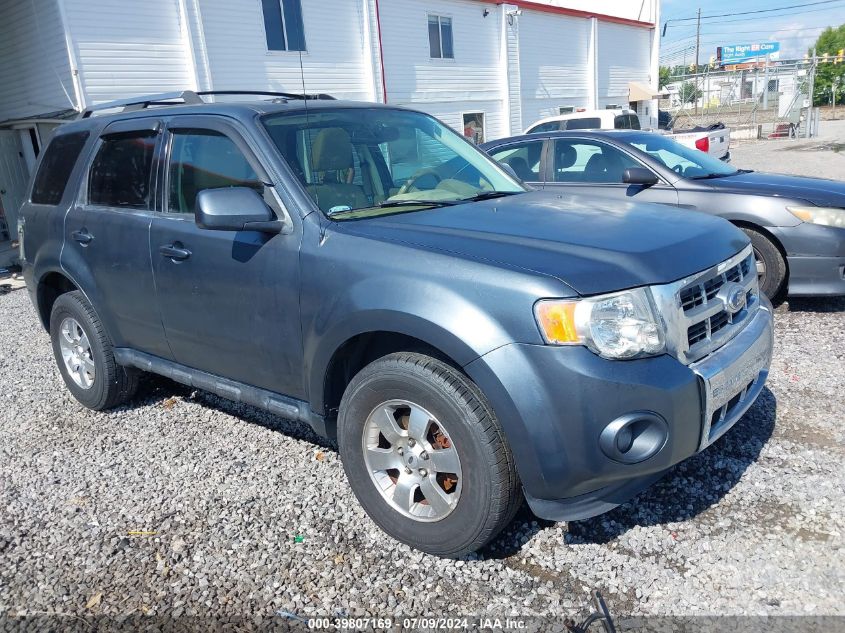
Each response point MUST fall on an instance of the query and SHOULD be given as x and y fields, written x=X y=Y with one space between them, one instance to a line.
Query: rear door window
x=54 y=171
x=121 y=171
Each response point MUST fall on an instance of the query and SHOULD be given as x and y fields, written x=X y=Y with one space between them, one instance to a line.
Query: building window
x=283 y=25
x=474 y=126
x=440 y=37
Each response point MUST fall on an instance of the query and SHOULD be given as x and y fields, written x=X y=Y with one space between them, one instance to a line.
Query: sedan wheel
x=771 y=264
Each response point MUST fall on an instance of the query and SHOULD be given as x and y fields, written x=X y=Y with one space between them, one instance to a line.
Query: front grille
x=701 y=292
x=698 y=317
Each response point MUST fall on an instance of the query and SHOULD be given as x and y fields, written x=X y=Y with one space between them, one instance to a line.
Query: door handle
x=175 y=252
x=82 y=236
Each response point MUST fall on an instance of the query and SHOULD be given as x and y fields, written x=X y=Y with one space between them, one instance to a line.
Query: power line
x=725 y=15
x=770 y=31
x=782 y=15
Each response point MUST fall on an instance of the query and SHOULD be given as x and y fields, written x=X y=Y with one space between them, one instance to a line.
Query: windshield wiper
x=416 y=203
x=709 y=176
x=488 y=195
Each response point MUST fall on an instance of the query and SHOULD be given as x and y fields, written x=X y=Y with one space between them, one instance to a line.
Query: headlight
x=827 y=216
x=619 y=325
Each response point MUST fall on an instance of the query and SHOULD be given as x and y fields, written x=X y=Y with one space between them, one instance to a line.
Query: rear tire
x=771 y=265
x=476 y=492
x=83 y=352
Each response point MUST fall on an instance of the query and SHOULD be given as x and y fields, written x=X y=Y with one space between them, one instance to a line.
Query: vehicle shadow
x=815 y=304
x=160 y=391
x=687 y=489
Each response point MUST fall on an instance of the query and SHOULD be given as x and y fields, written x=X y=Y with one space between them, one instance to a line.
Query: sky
x=795 y=28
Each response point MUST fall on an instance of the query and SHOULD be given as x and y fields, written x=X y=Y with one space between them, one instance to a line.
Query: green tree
x=689 y=92
x=831 y=41
x=665 y=76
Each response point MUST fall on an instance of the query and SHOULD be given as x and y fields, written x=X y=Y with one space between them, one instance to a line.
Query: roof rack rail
x=189 y=97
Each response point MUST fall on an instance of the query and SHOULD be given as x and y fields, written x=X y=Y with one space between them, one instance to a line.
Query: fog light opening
x=634 y=437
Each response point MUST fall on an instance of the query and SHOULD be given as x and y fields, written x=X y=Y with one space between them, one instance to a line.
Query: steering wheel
x=678 y=169
x=410 y=184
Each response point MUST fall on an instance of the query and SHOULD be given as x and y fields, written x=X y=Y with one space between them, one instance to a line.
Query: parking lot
x=185 y=504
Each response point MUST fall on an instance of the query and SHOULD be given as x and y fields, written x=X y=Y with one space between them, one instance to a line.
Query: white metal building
x=482 y=66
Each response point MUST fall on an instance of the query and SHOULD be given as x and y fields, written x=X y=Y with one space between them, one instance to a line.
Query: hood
x=819 y=191
x=593 y=245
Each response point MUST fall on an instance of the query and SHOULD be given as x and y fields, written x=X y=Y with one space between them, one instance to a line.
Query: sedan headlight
x=618 y=326
x=826 y=216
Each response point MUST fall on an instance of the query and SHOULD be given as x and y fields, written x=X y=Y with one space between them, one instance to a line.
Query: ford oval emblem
x=733 y=296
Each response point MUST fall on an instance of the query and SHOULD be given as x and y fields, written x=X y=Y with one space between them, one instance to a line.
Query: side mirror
x=639 y=176
x=234 y=209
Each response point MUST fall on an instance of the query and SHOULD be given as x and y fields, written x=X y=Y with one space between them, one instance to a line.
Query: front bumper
x=555 y=402
x=815 y=255
x=816 y=276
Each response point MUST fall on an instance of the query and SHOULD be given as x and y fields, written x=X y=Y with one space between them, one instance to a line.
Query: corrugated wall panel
x=129 y=48
x=238 y=58
x=35 y=73
x=624 y=56
x=471 y=82
x=553 y=58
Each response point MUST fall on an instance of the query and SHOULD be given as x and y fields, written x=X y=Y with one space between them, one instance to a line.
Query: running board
x=270 y=401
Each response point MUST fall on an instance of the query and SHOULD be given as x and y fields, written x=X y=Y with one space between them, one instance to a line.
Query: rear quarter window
x=53 y=173
x=626 y=122
x=551 y=126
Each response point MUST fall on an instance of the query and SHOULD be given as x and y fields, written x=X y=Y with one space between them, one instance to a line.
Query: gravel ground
x=185 y=504
x=821 y=156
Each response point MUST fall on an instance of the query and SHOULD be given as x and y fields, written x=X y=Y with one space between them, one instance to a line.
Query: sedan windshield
x=359 y=162
x=689 y=163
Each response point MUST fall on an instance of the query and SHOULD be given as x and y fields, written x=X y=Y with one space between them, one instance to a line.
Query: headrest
x=566 y=156
x=332 y=150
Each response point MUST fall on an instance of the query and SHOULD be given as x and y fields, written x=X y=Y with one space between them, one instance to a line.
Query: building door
x=14 y=176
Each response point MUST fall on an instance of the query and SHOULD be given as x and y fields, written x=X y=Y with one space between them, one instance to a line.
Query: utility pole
x=697 y=46
x=811 y=87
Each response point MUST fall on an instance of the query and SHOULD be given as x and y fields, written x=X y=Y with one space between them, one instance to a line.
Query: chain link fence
x=756 y=102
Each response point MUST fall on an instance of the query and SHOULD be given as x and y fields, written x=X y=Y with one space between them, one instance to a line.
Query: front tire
x=771 y=266
x=425 y=455
x=83 y=352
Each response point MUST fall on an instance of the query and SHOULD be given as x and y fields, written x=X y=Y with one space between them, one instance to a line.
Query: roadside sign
x=741 y=53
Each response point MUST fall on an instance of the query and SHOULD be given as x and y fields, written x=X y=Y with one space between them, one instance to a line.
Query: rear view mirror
x=639 y=176
x=234 y=209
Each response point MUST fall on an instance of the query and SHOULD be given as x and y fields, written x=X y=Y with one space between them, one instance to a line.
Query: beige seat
x=331 y=154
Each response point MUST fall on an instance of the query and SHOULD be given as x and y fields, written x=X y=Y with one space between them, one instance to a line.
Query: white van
x=715 y=141
x=610 y=119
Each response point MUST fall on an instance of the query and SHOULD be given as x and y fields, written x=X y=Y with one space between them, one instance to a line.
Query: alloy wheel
x=412 y=460
x=76 y=353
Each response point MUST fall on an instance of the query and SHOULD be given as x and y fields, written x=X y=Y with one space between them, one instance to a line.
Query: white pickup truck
x=714 y=140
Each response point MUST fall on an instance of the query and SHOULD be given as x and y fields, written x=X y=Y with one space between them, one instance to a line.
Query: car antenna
x=308 y=139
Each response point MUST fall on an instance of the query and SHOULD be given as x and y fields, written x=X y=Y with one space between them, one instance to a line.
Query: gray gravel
x=185 y=504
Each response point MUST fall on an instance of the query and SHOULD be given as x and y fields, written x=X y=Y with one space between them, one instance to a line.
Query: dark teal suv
x=367 y=271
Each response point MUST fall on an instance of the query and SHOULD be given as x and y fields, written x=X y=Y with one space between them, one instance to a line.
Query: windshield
x=688 y=162
x=359 y=162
